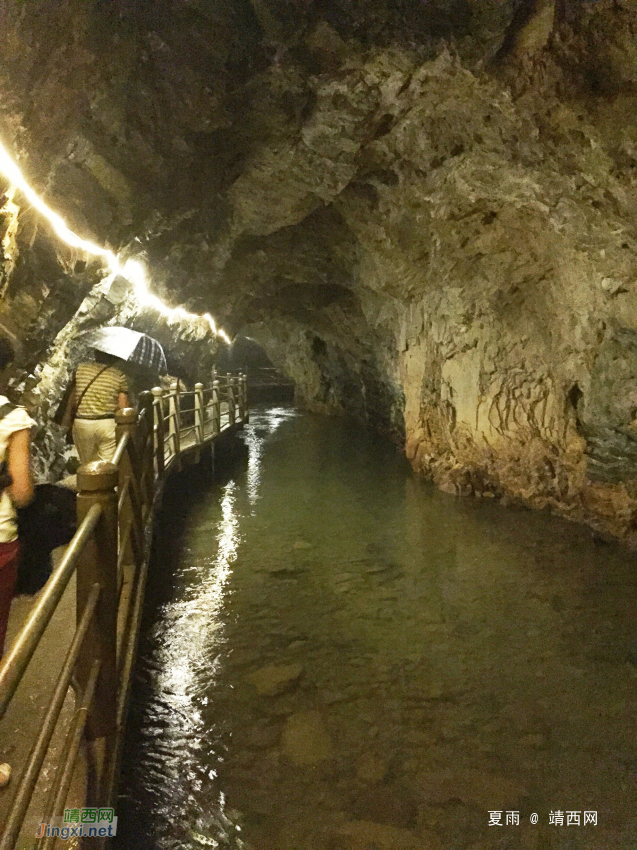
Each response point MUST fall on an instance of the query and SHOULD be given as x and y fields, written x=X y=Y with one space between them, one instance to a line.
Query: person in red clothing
x=16 y=486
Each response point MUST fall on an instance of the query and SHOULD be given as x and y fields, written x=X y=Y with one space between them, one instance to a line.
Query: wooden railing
x=109 y=557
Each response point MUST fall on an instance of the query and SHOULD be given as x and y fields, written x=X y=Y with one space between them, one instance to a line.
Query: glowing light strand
x=132 y=270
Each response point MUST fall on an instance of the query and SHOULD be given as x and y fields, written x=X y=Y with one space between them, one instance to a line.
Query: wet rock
x=276 y=679
x=305 y=739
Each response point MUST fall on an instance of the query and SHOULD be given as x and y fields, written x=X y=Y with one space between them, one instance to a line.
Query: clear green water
x=335 y=656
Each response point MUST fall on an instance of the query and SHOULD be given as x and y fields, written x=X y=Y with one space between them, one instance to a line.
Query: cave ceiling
x=244 y=147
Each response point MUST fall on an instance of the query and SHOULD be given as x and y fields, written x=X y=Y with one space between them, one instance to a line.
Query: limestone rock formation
x=424 y=211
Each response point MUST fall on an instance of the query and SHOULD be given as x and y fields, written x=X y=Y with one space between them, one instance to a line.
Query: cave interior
x=423 y=211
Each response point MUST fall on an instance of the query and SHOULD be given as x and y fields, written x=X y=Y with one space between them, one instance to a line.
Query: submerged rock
x=276 y=679
x=305 y=739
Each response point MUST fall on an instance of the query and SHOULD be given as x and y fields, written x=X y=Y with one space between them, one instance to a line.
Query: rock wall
x=425 y=212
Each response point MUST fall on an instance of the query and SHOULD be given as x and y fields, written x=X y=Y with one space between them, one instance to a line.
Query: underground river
x=336 y=656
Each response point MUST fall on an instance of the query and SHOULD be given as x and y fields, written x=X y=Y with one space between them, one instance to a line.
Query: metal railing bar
x=188 y=429
x=123 y=543
x=17 y=659
x=31 y=771
x=147 y=448
x=138 y=575
x=133 y=493
x=126 y=665
x=122 y=494
x=66 y=768
x=126 y=536
x=136 y=506
x=121 y=448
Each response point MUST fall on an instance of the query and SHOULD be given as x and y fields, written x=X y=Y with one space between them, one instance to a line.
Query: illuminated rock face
x=425 y=212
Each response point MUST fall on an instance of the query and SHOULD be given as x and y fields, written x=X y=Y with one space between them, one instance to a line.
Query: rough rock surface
x=425 y=212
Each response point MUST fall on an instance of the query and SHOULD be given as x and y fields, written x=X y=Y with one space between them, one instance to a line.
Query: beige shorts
x=94 y=439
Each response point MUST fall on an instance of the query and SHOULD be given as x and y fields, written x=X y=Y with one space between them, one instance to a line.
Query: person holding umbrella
x=100 y=389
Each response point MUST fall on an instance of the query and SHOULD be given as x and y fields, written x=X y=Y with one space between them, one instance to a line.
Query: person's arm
x=122 y=398
x=70 y=409
x=19 y=465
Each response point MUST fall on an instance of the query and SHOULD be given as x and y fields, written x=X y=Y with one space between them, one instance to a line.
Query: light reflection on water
x=254 y=440
x=445 y=657
x=195 y=627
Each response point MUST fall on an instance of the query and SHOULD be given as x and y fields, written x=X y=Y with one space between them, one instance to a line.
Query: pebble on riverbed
x=276 y=679
x=305 y=739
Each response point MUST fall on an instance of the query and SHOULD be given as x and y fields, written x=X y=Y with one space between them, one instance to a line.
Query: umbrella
x=129 y=345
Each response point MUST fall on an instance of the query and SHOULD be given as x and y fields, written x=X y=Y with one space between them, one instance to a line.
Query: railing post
x=158 y=409
x=97 y=563
x=242 y=397
x=216 y=408
x=174 y=424
x=146 y=447
x=126 y=423
x=199 y=411
x=232 y=406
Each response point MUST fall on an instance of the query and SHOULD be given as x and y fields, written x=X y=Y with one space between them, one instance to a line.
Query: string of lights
x=132 y=270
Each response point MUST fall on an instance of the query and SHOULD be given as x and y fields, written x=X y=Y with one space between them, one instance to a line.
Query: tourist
x=100 y=389
x=16 y=488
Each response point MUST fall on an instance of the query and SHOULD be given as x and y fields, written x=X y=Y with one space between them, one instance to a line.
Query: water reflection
x=195 y=628
x=265 y=426
x=337 y=657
